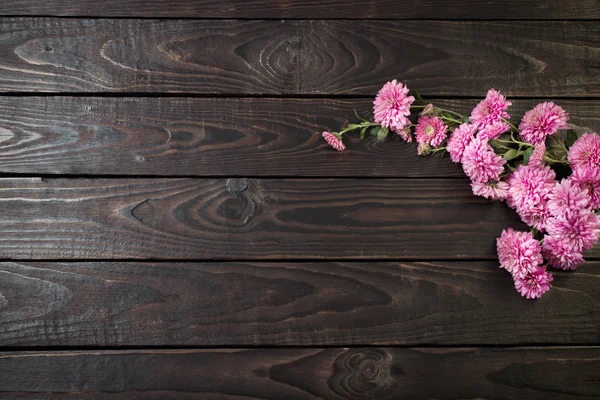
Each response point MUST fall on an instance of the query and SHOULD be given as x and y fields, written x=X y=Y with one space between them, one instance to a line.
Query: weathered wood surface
x=359 y=373
x=289 y=303
x=242 y=218
x=299 y=56
x=351 y=9
x=316 y=265
x=215 y=137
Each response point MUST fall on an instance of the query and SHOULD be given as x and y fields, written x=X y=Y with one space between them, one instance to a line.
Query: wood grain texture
x=299 y=56
x=352 y=9
x=361 y=373
x=283 y=303
x=215 y=137
x=242 y=218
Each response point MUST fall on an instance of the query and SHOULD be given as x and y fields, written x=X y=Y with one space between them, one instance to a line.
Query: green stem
x=555 y=161
x=451 y=112
x=451 y=120
x=353 y=128
x=500 y=145
x=512 y=127
x=515 y=141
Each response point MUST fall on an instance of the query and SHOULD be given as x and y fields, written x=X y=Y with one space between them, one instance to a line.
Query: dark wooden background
x=172 y=226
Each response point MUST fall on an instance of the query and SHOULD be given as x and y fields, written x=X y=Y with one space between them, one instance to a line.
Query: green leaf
x=362 y=132
x=383 y=132
x=555 y=147
x=417 y=96
x=527 y=154
x=571 y=138
x=516 y=163
x=353 y=126
x=361 y=119
x=374 y=131
x=494 y=143
x=512 y=154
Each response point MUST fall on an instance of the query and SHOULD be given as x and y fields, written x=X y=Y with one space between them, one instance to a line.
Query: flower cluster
x=521 y=166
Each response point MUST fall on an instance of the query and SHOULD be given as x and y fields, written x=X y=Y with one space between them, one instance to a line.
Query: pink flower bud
x=334 y=141
x=423 y=149
x=428 y=110
x=405 y=134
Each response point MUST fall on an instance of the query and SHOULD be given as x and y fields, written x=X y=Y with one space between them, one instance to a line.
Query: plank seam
x=48 y=177
x=5 y=349
x=255 y=260
x=267 y=96
x=164 y=18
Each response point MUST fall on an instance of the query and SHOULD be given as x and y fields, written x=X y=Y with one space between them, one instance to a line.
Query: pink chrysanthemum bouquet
x=506 y=163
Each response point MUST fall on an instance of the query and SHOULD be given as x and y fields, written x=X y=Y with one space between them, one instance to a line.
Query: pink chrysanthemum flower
x=530 y=186
x=430 y=130
x=459 y=139
x=560 y=255
x=480 y=163
x=578 y=232
x=537 y=156
x=588 y=178
x=543 y=120
x=536 y=216
x=491 y=109
x=567 y=199
x=491 y=190
x=392 y=106
x=534 y=284
x=334 y=141
x=493 y=130
x=585 y=151
x=519 y=253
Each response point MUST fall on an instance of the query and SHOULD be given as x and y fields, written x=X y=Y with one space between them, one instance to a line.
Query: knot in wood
x=241 y=206
x=6 y=135
x=236 y=186
x=362 y=374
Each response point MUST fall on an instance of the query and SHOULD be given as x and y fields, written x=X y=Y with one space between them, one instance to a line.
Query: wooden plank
x=241 y=218
x=299 y=56
x=313 y=373
x=350 y=9
x=246 y=219
x=289 y=303
x=214 y=137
